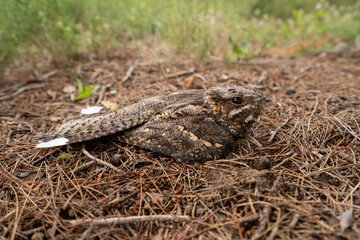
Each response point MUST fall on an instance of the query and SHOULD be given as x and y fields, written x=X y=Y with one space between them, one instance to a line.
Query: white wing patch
x=53 y=143
x=91 y=110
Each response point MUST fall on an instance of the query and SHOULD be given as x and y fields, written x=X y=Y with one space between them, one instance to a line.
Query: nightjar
x=190 y=125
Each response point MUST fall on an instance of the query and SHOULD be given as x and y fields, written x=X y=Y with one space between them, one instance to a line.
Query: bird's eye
x=237 y=100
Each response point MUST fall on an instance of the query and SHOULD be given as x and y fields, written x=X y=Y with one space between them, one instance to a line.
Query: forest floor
x=302 y=183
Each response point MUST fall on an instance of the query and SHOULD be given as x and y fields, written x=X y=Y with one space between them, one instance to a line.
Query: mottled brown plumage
x=188 y=125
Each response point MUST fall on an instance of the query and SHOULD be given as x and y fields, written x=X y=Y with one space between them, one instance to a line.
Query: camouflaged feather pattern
x=192 y=125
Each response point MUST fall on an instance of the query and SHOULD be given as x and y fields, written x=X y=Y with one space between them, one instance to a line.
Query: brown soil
x=296 y=186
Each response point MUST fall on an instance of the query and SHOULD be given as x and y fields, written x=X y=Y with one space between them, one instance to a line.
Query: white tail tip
x=91 y=110
x=53 y=143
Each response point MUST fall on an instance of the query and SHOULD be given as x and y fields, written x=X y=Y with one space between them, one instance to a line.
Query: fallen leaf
x=110 y=105
x=189 y=82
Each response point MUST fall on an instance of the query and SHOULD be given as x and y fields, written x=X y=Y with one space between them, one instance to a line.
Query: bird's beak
x=265 y=99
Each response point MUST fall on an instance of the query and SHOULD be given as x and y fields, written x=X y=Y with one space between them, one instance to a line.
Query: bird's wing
x=192 y=138
x=93 y=126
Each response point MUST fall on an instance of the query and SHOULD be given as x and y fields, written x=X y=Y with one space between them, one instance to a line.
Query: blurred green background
x=63 y=28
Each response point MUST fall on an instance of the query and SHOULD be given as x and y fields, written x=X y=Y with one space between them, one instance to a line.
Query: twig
x=84 y=166
x=294 y=220
x=116 y=201
x=347 y=127
x=102 y=93
x=253 y=140
x=284 y=161
x=132 y=219
x=312 y=112
x=86 y=233
x=277 y=129
x=273 y=233
x=8 y=137
x=332 y=169
x=41 y=158
x=21 y=90
x=181 y=73
x=31 y=231
x=131 y=230
x=264 y=219
x=248 y=219
x=201 y=77
x=352 y=192
x=128 y=74
x=214 y=226
x=45 y=76
x=101 y=161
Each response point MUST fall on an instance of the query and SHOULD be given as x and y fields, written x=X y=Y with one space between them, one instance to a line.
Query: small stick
x=294 y=221
x=264 y=220
x=214 y=226
x=246 y=219
x=8 y=137
x=277 y=129
x=132 y=219
x=20 y=90
x=201 y=77
x=45 y=76
x=116 y=201
x=253 y=140
x=186 y=72
x=101 y=161
x=86 y=233
x=31 y=231
x=273 y=233
x=332 y=169
x=347 y=127
x=313 y=111
x=41 y=158
x=84 y=166
x=128 y=74
x=102 y=93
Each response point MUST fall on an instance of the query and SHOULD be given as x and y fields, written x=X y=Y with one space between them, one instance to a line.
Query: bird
x=188 y=125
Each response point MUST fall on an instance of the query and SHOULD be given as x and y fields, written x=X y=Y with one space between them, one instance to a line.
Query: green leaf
x=66 y=155
x=78 y=98
x=87 y=93
x=80 y=85
x=96 y=87
x=237 y=50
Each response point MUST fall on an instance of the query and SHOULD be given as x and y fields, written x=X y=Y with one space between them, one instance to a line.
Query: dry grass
x=313 y=154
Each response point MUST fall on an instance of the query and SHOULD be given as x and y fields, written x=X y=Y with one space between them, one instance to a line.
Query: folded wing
x=96 y=125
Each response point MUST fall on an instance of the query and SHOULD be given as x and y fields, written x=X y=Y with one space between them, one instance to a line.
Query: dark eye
x=237 y=100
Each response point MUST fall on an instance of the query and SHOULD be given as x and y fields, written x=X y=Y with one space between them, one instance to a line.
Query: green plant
x=242 y=53
x=67 y=154
x=84 y=93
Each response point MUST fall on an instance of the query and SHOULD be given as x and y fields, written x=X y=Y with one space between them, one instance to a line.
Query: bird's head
x=235 y=107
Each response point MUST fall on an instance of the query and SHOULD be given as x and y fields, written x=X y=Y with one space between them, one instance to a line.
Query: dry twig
x=21 y=90
x=101 y=161
x=181 y=73
x=128 y=74
x=132 y=219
